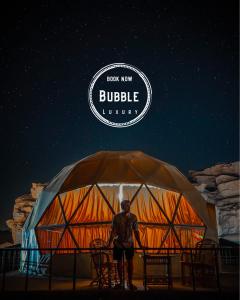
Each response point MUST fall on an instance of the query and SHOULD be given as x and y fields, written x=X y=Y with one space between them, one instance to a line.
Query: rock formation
x=22 y=207
x=220 y=185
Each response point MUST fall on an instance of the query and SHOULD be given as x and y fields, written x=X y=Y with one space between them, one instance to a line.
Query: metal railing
x=11 y=258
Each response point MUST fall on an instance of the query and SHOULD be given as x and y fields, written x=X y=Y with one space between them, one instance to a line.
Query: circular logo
x=119 y=95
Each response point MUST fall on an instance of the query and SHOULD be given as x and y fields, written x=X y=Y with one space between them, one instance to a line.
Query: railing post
x=169 y=270
x=4 y=270
x=14 y=255
x=193 y=274
x=100 y=280
x=109 y=273
x=27 y=272
x=217 y=270
x=74 y=270
x=18 y=259
x=50 y=272
x=123 y=270
x=144 y=271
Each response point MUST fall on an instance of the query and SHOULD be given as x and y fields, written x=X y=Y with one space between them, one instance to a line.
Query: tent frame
x=170 y=223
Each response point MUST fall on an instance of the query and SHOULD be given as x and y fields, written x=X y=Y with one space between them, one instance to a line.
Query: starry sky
x=49 y=52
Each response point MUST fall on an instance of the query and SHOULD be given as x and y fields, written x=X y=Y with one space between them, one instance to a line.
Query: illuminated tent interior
x=77 y=217
x=79 y=203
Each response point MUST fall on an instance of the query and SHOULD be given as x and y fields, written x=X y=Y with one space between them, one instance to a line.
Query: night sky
x=49 y=52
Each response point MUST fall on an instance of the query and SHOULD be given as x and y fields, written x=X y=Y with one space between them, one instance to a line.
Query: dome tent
x=78 y=204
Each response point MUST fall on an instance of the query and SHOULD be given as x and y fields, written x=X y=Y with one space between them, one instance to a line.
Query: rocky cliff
x=22 y=207
x=220 y=185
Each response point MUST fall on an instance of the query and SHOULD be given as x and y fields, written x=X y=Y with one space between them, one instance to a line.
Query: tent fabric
x=86 y=194
x=88 y=213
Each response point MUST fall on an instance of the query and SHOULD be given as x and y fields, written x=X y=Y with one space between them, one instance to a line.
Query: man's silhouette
x=123 y=224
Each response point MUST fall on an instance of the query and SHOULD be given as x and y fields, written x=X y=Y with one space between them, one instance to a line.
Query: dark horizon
x=50 y=51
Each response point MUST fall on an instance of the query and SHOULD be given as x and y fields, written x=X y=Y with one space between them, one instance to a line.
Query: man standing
x=123 y=224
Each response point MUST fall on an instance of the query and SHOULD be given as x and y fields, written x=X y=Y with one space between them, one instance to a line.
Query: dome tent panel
x=129 y=191
x=186 y=215
x=67 y=241
x=171 y=240
x=189 y=236
x=111 y=195
x=93 y=208
x=46 y=197
x=84 y=172
x=146 y=209
x=103 y=167
x=167 y=200
x=53 y=214
x=71 y=200
x=115 y=168
x=151 y=236
x=84 y=235
x=49 y=237
x=150 y=169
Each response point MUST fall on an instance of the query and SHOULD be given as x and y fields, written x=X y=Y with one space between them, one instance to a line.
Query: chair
x=102 y=264
x=156 y=276
x=202 y=264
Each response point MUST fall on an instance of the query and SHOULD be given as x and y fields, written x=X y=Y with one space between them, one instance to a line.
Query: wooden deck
x=15 y=281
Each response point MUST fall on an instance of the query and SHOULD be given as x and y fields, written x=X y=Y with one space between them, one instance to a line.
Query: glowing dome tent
x=79 y=203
